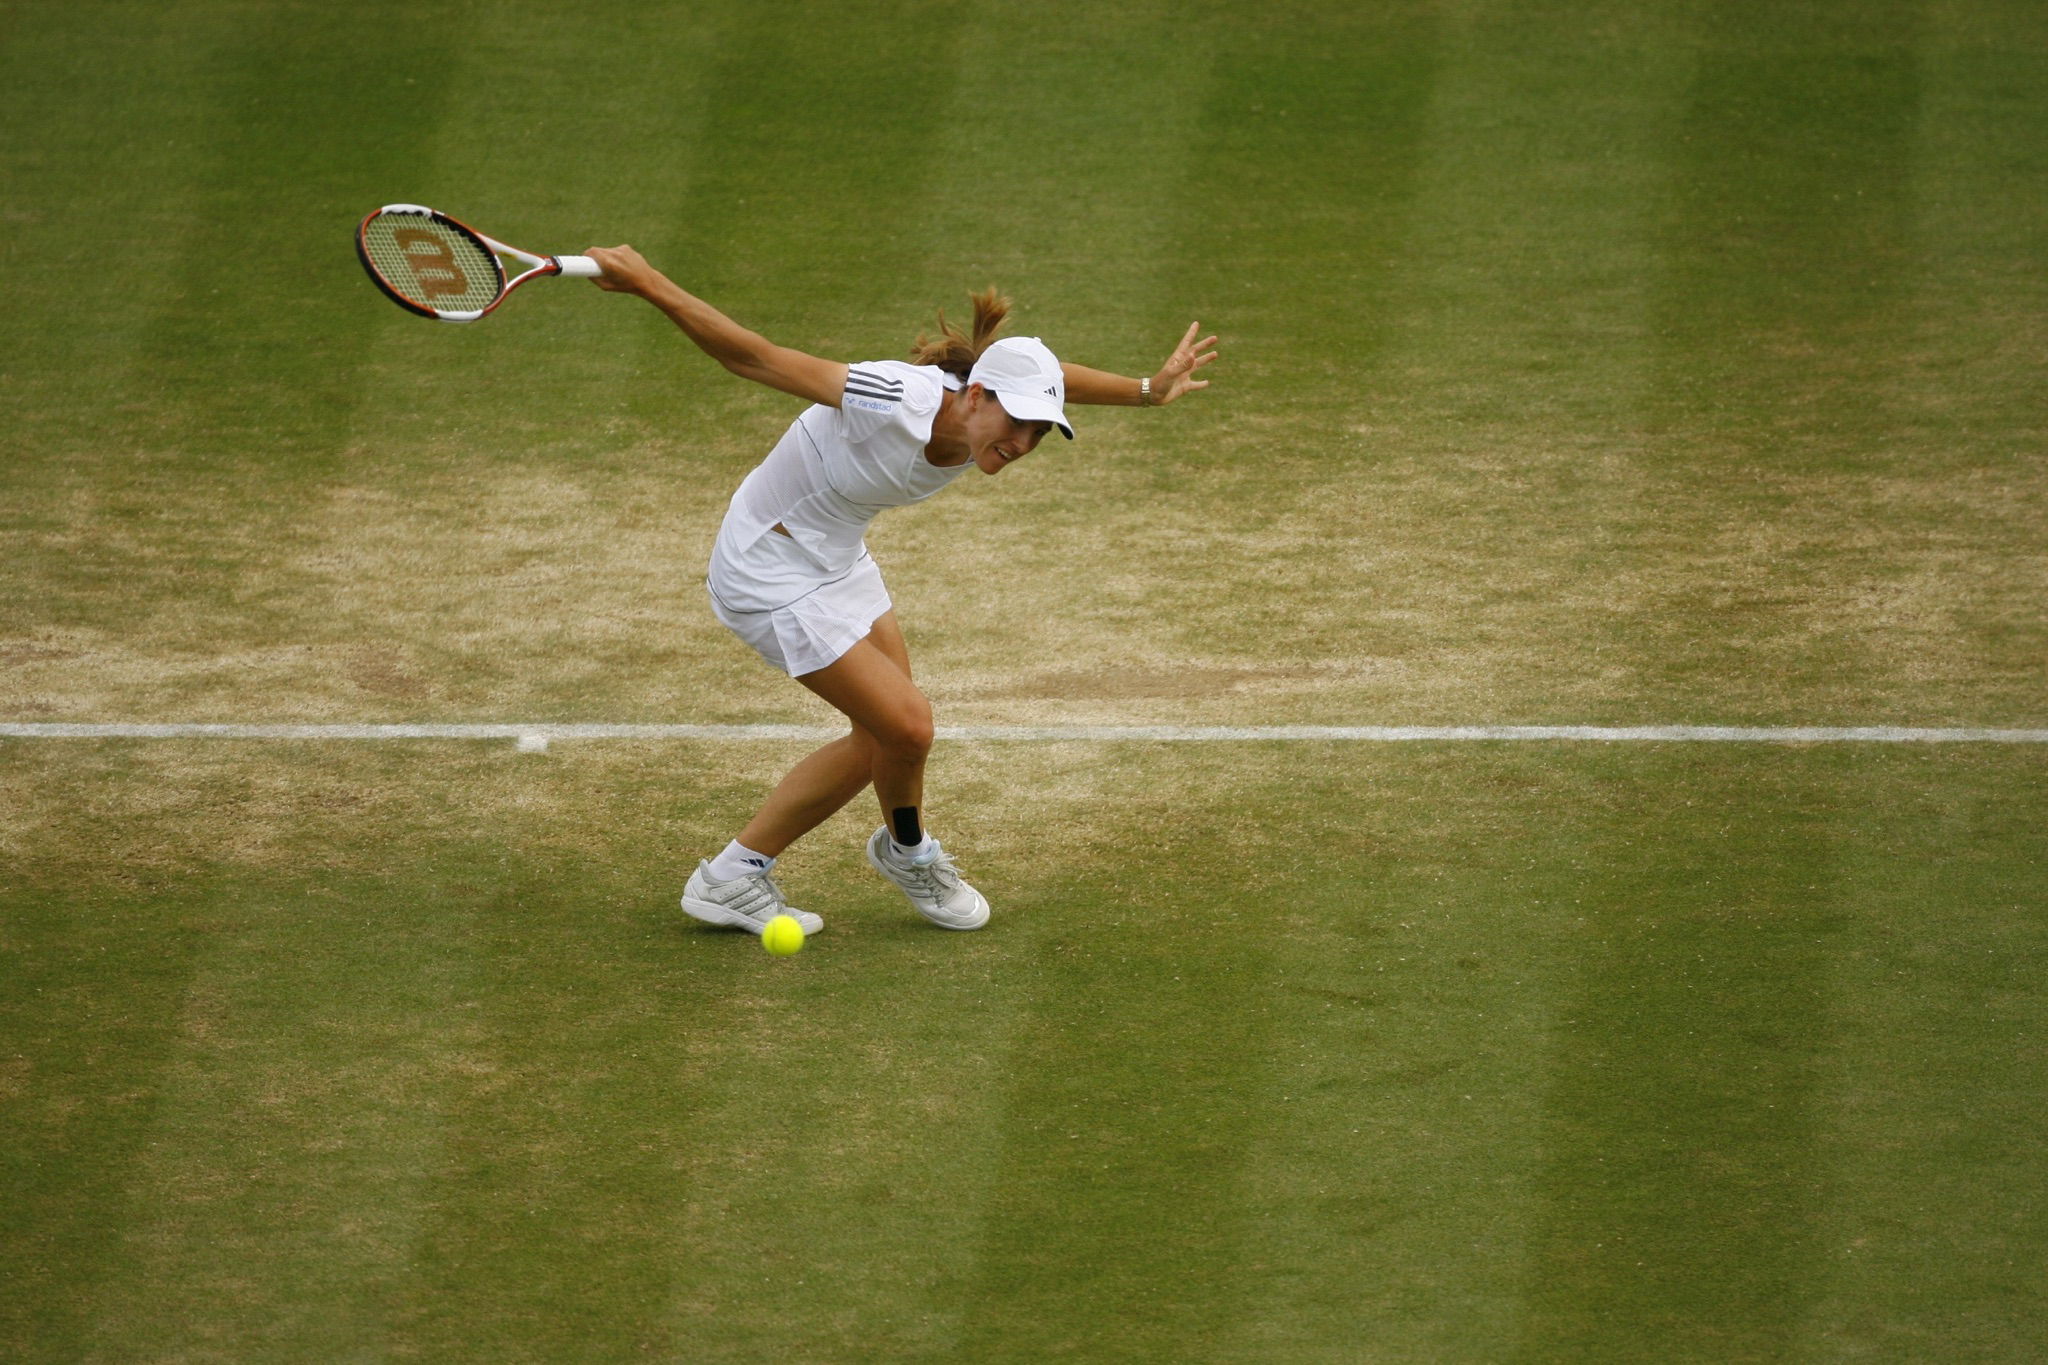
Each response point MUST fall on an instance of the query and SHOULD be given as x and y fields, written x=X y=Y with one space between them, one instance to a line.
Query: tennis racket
x=427 y=263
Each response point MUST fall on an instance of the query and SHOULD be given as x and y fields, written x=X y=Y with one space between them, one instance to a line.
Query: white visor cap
x=1026 y=378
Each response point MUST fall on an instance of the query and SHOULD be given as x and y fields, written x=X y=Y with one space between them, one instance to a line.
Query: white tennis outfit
x=803 y=599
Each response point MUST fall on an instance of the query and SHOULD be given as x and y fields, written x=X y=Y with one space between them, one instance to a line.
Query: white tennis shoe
x=747 y=902
x=934 y=886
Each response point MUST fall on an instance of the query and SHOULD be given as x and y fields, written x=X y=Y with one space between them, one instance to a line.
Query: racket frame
x=574 y=266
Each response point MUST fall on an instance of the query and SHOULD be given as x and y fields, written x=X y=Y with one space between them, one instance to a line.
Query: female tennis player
x=791 y=574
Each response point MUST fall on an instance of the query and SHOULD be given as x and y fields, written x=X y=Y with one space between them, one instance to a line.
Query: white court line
x=537 y=736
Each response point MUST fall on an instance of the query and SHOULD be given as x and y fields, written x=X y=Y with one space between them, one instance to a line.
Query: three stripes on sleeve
x=871 y=389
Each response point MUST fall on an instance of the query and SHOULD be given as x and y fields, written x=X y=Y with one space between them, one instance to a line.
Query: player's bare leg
x=887 y=746
x=890 y=740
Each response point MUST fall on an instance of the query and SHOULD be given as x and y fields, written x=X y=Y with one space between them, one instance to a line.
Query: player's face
x=998 y=439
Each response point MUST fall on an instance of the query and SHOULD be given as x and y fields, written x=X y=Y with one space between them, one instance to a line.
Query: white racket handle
x=579 y=266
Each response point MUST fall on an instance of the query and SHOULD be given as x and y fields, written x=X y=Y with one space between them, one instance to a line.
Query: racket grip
x=583 y=266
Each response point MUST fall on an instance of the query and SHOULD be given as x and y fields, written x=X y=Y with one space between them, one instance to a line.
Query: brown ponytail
x=955 y=351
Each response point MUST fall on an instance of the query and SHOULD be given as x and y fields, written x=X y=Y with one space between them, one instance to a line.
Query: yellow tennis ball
x=782 y=935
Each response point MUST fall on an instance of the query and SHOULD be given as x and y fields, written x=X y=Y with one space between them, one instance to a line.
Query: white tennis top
x=834 y=471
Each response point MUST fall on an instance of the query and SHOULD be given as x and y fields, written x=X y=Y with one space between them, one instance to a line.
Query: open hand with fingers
x=1177 y=375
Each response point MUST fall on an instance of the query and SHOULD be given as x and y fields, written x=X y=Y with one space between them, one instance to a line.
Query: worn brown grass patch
x=1293 y=570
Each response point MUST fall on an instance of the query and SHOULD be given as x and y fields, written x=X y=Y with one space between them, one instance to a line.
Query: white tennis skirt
x=807 y=632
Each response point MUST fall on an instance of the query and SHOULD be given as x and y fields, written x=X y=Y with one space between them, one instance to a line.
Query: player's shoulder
x=883 y=386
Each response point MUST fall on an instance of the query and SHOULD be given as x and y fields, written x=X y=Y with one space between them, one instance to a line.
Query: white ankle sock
x=739 y=861
x=923 y=852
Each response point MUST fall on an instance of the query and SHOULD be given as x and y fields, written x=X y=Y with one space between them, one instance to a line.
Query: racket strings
x=432 y=264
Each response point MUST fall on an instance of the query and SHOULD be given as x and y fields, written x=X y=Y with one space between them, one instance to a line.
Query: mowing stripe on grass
x=1375 y=734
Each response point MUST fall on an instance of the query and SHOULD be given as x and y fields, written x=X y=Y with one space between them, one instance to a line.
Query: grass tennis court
x=1583 y=364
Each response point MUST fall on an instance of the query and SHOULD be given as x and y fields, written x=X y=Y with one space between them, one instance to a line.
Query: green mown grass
x=1581 y=363
x=1556 y=1054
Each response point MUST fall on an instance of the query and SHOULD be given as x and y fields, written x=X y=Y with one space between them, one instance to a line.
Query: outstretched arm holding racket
x=439 y=267
x=747 y=354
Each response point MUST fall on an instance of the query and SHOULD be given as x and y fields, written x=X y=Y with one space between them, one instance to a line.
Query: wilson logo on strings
x=432 y=263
